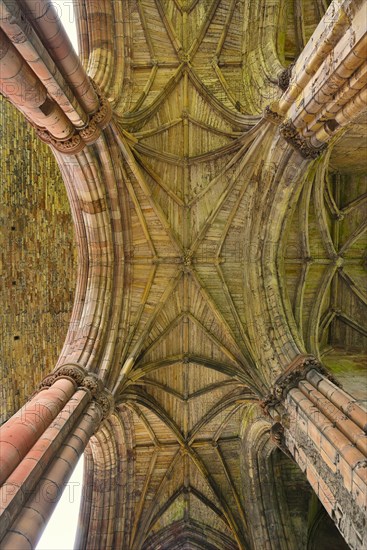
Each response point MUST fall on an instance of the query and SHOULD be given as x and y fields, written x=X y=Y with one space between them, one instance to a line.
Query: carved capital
x=298 y=142
x=103 y=115
x=76 y=142
x=84 y=380
x=99 y=120
x=70 y=146
x=90 y=133
x=274 y=117
x=291 y=377
x=47 y=382
x=92 y=384
x=106 y=402
x=73 y=371
x=285 y=76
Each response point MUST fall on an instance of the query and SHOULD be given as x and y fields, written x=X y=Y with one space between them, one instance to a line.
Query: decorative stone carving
x=93 y=384
x=278 y=437
x=103 y=116
x=298 y=142
x=184 y=56
x=47 y=382
x=269 y=402
x=296 y=372
x=105 y=401
x=73 y=371
x=90 y=133
x=71 y=146
x=83 y=379
x=285 y=76
x=187 y=258
x=76 y=142
x=274 y=117
x=277 y=433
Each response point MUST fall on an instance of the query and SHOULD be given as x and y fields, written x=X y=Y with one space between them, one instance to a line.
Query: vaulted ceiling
x=188 y=151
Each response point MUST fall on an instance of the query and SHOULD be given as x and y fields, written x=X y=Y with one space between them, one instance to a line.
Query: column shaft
x=27 y=528
x=21 y=483
x=19 y=83
x=20 y=432
x=30 y=47
x=338 y=397
x=45 y=19
x=48 y=434
x=325 y=430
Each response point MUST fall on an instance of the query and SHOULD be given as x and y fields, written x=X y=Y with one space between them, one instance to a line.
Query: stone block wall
x=37 y=263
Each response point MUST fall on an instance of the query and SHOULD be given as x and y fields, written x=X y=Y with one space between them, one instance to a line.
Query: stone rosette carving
x=84 y=380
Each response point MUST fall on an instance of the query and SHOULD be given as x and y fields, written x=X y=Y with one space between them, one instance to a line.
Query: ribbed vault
x=188 y=156
x=325 y=260
x=195 y=184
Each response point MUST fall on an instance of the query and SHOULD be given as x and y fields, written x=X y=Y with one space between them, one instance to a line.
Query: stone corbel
x=278 y=438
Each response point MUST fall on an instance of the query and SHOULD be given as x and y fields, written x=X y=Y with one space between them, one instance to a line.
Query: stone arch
x=322 y=532
x=108 y=478
x=265 y=469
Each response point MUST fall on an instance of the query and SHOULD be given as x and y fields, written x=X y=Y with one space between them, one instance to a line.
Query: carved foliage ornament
x=87 y=135
x=84 y=380
x=272 y=116
x=285 y=76
x=290 y=379
x=70 y=146
x=298 y=142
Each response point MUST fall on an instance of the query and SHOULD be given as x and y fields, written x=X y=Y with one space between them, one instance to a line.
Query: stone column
x=325 y=431
x=43 y=77
x=29 y=45
x=21 y=432
x=49 y=437
x=43 y=16
x=325 y=89
x=19 y=83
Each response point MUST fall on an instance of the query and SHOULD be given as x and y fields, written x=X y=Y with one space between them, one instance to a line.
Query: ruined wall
x=38 y=260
